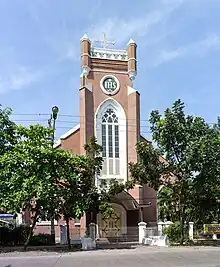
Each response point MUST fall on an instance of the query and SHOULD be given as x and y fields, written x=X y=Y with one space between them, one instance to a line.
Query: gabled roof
x=66 y=135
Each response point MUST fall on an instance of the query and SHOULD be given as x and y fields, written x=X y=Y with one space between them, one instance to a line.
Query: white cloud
x=121 y=30
x=199 y=48
x=19 y=79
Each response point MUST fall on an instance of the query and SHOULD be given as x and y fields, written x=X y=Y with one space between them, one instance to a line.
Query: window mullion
x=113 y=146
x=107 y=150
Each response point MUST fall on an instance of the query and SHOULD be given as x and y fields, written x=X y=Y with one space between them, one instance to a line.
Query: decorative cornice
x=108 y=71
x=111 y=54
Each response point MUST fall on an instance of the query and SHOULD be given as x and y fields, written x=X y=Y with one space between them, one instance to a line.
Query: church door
x=114 y=225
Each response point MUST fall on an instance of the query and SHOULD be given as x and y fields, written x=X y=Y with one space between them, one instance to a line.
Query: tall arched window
x=111 y=133
x=110 y=142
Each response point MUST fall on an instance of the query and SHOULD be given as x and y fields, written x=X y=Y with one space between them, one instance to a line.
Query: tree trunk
x=52 y=231
x=30 y=234
x=181 y=231
x=182 y=225
x=68 y=232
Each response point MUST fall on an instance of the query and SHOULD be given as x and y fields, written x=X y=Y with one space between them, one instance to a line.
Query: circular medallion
x=109 y=84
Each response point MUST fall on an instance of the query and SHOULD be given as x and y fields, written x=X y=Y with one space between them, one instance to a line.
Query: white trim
x=46 y=223
x=85 y=71
x=132 y=75
x=131 y=41
x=67 y=134
x=104 y=90
x=89 y=86
x=131 y=90
x=85 y=37
x=110 y=54
x=71 y=131
x=122 y=136
x=112 y=50
x=108 y=71
x=132 y=58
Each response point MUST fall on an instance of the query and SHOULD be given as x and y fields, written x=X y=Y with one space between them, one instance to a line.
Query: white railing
x=151 y=231
x=109 y=54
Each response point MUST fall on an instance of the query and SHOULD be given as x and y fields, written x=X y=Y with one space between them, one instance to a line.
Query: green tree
x=206 y=190
x=7 y=130
x=7 y=136
x=78 y=193
x=167 y=208
x=74 y=186
x=26 y=182
x=100 y=199
x=190 y=150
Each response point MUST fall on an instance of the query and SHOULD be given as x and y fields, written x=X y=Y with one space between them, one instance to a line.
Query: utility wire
x=77 y=116
x=73 y=122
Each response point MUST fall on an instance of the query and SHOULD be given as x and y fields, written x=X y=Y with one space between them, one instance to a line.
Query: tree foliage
x=26 y=180
x=40 y=179
x=7 y=130
x=189 y=168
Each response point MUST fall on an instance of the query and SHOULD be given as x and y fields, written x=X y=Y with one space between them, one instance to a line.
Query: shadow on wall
x=150 y=213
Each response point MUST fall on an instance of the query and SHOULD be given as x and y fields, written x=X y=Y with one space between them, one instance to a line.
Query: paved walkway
x=139 y=257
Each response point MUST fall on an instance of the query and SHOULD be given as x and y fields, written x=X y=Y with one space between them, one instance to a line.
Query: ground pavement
x=138 y=257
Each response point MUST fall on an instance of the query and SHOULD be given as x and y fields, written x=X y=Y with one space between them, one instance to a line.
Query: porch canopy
x=126 y=200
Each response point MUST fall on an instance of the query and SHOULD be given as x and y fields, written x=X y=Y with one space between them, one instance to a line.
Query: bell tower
x=109 y=105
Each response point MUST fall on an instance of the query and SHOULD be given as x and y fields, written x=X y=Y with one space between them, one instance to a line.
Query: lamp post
x=53 y=117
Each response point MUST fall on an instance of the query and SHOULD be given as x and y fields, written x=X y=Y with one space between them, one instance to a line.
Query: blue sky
x=178 y=54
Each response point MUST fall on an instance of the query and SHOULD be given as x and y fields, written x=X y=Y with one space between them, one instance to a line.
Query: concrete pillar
x=191 y=230
x=142 y=230
x=92 y=231
x=214 y=237
x=160 y=226
x=19 y=219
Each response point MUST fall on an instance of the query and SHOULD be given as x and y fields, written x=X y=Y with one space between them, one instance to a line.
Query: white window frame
x=119 y=111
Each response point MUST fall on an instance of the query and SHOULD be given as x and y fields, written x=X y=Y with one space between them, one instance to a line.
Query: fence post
x=92 y=234
x=191 y=230
x=160 y=228
x=142 y=230
x=92 y=231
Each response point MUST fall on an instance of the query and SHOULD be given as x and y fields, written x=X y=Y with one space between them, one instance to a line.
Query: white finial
x=131 y=41
x=85 y=37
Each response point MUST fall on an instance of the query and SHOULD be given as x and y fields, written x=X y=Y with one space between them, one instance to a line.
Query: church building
x=110 y=111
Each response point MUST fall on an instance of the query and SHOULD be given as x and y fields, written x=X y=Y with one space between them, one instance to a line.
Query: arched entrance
x=115 y=225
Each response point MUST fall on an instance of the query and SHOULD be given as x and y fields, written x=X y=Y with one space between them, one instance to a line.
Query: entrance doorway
x=115 y=225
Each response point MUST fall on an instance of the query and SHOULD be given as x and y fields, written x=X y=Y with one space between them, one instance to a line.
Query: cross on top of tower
x=105 y=42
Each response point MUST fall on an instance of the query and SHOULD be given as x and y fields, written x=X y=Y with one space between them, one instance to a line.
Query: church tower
x=110 y=111
x=109 y=106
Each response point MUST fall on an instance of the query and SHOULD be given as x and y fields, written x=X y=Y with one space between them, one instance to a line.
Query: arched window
x=110 y=134
x=110 y=142
x=110 y=131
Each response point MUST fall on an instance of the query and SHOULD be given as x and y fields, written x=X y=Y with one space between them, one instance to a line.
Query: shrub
x=15 y=236
x=173 y=232
x=41 y=240
x=20 y=234
x=5 y=236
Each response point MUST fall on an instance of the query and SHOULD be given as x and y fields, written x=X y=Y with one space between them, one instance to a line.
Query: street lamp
x=55 y=111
